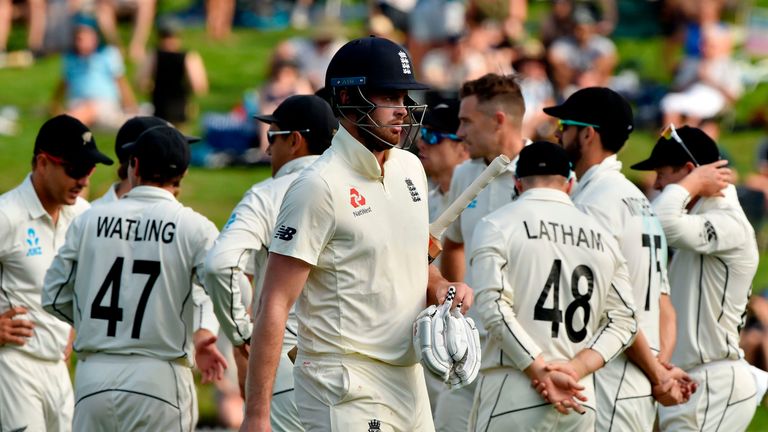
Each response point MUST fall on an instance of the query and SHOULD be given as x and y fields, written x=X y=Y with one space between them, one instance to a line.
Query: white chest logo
x=405 y=63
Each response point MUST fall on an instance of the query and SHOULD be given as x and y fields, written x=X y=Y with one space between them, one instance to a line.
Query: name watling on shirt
x=135 y=230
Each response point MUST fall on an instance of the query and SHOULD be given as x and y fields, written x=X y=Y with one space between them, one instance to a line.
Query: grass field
x=240 y=63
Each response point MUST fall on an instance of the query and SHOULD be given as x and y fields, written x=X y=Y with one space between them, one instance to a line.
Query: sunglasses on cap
x=271 y=134
x=561 y=124
x=433 y=137
x=75 y=171
x=670 y=133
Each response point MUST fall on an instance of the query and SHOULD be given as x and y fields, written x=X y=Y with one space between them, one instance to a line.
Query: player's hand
x=562 y=391
x=709 y=180
x=15 y=331
x=464 y=295
x=208 y=359
x=687 y=384
x=668 y=393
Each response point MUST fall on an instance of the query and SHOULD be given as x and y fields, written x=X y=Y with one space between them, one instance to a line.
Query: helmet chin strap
x=410 y=125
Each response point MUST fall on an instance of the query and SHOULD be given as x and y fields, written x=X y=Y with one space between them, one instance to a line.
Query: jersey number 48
x=580 y=301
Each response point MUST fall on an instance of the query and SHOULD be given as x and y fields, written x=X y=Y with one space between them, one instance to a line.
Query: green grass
x=240 y=63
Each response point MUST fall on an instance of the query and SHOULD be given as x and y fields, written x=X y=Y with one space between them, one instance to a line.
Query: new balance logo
x=285 y=232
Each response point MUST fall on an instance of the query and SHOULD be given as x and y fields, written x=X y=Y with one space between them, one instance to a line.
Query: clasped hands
x=558 y=384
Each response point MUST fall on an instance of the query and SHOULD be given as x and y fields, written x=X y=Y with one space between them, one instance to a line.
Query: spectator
x=170 y=74
x=107 y=12
x=707 y=87
x=93 y=82
x=314 y=53
x=510 y=14
x=537 y=91
x=446 y=67
x=584 y=59
x=35 y=34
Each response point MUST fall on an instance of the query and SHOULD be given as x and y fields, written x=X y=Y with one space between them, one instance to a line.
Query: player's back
x=559 y=264
x=135 y=268
x=622 y=210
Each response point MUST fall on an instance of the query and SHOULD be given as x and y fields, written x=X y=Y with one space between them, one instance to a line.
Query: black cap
x=599 y=106
x=301 y=112
x=162 y=151
x=668 y=152
x=68 y=138
x=372 y=62
x=543 y=158
x=443 y=117
x=131 y=129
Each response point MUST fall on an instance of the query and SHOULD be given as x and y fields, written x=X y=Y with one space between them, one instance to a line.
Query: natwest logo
x=356 y=199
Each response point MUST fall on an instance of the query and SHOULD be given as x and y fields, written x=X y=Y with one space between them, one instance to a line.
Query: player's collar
x=608 y=165
x=546 y=194
x=359 y=158
x=150 y=192
x=295 y=165
x=32 y=202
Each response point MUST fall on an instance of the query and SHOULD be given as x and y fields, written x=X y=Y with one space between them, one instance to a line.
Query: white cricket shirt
x=28 y=242
x=109 y=197
x=618 y=205
x=710 y=275
x=366 y=236
x=245 y=241
x=125 y=274
x=549 y=280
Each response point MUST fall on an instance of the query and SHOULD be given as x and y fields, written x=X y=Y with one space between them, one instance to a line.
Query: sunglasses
x=561 y=124
x=272 y=134
x=670 y=133
x=433 y=137
x=75 y=171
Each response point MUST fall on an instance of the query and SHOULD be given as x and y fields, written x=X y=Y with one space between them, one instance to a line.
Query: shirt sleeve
x=59 y=283
x=225 y=296
x=494 y=296
x=711 y=232
x=306 y=220
x=618 y=323
x=228 y=261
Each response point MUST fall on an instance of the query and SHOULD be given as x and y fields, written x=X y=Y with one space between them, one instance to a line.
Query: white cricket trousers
x=624 y=399
x=505 y=401
x=35 y=394
x=341 y=393
x=123 y=393
x=724 y=400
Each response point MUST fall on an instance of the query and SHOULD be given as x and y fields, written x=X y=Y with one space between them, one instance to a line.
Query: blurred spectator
x=708 y=86
x=219 y=16
x=682 y=24
x=35 y=33
x=432 y=23
x=283 y=79
x=107 y=12
x=446 y=67
x=537 y=91
x=93 y=86
x=754 y=336
x=396 y=11
x=313 y=53
x=170 y=74
x=758 y=180
x=560 y=21
x=584 y=59
x=510 y=14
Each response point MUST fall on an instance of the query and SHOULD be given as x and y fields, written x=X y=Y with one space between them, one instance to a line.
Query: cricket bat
x=438 y=227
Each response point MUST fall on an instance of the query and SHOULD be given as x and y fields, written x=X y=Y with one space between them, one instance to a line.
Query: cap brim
x=646 y=165
x=192 y=139
x=557 y=111
x=266 y=118
x=95 y=156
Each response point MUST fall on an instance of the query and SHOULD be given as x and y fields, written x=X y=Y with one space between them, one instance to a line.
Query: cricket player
x=35 y=390
x=124 y=279
x=491 y=120
x=296 y=140
x=595 y=122
x=710 y=276
x=128 y=132
x=552 y=287
x=440 y=151
x=350 y=247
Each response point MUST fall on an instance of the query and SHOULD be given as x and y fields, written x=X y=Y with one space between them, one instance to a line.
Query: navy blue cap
x=443 y=117
x=162 y=151
x=135 y=126
x=599 y=106
x=543 y=158
x=68 y=138
x=669 y=152
x=372 y=62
